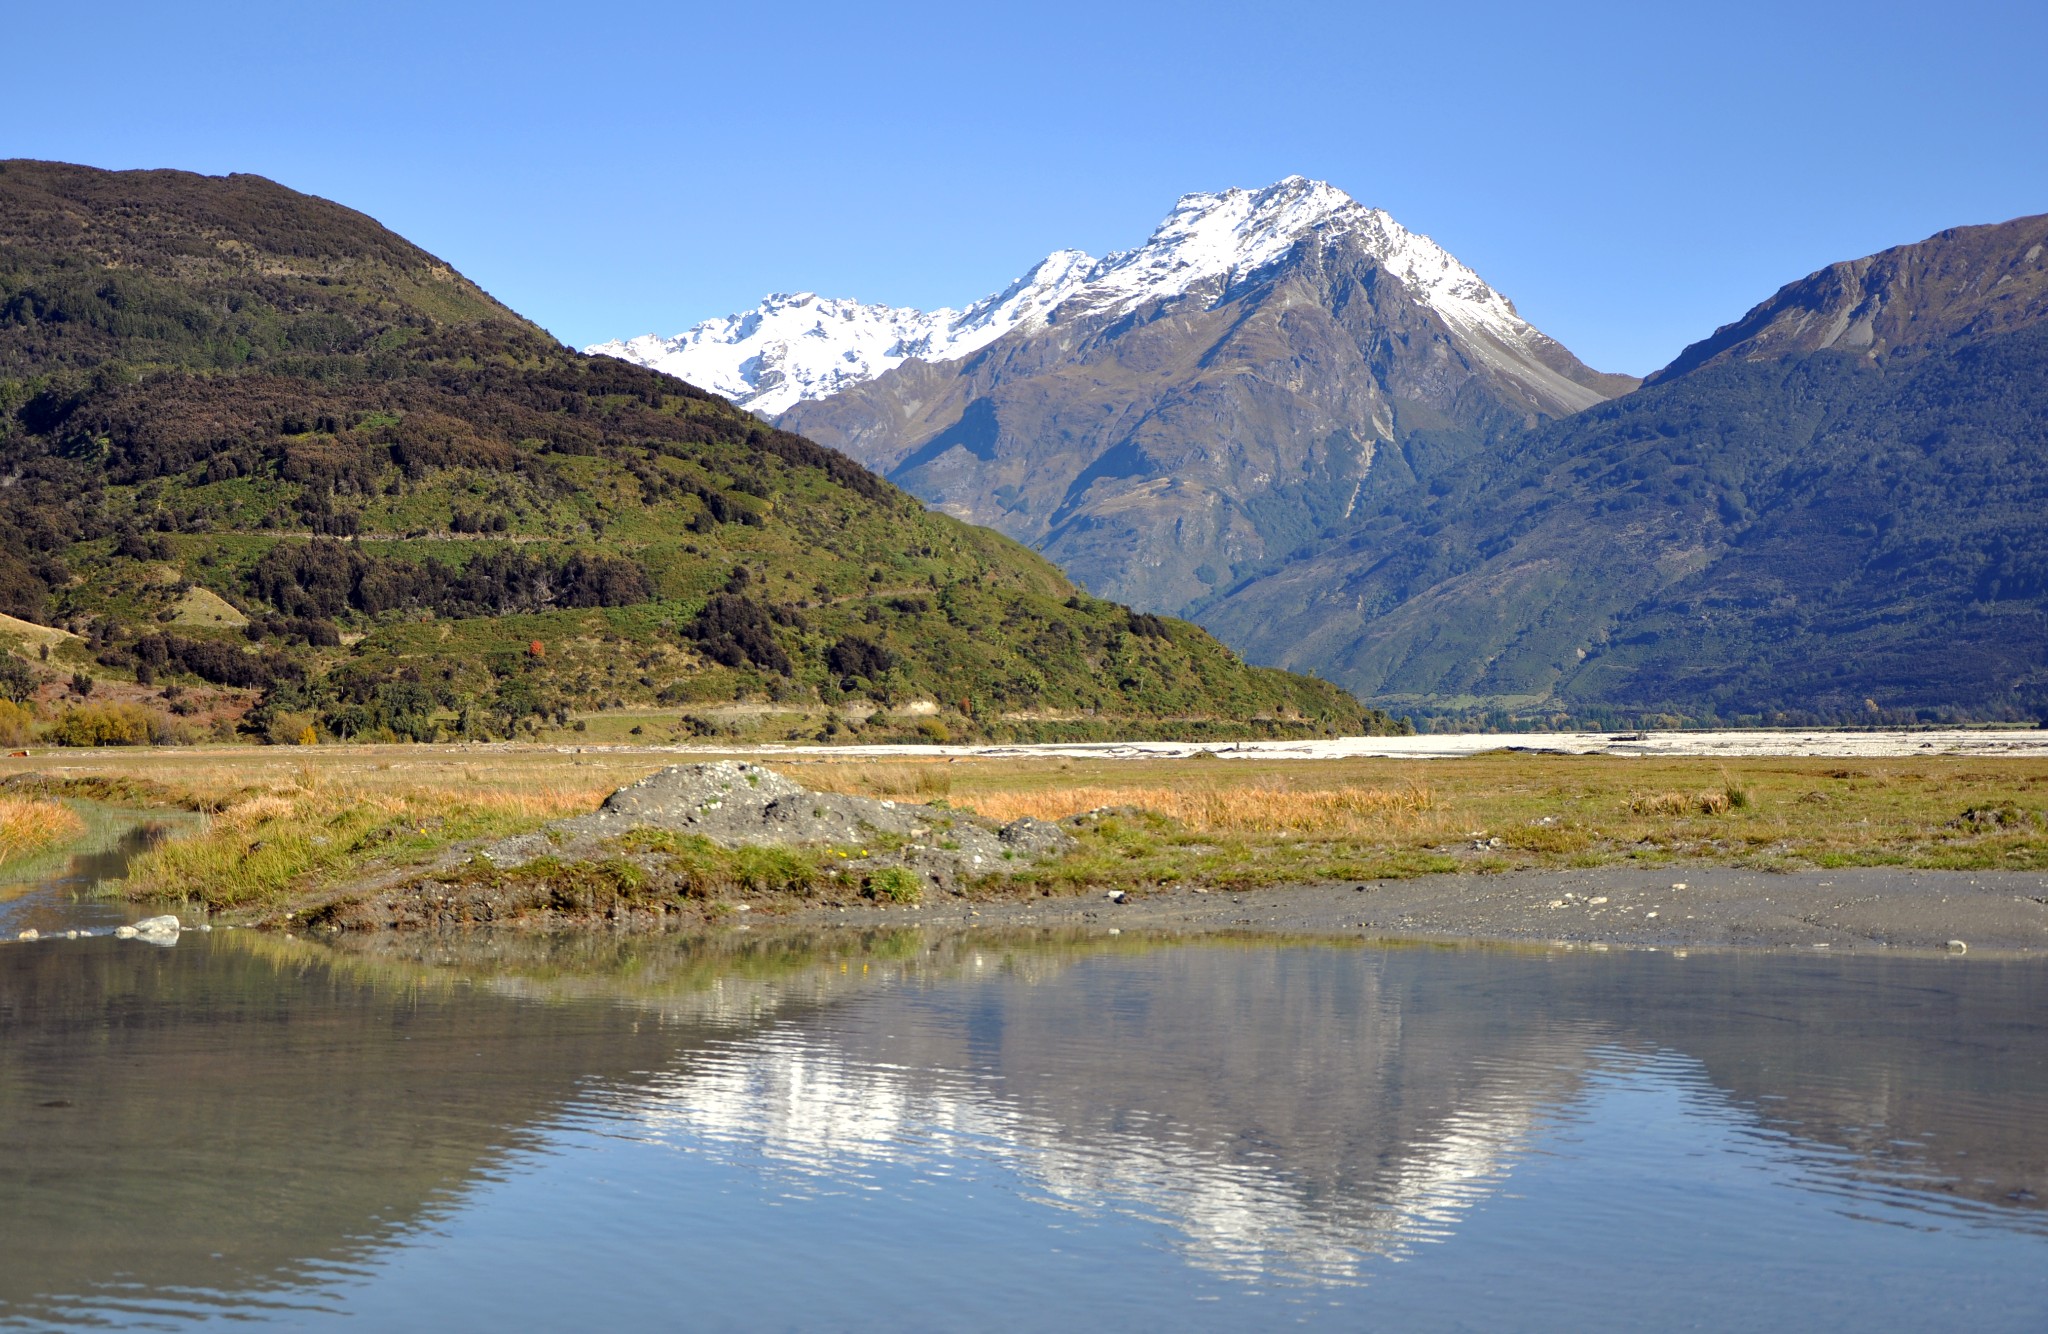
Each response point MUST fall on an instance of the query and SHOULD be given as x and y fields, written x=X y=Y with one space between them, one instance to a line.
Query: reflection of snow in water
x=787 y=1096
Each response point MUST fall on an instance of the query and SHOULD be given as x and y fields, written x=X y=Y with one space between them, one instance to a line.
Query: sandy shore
x=1862 y=909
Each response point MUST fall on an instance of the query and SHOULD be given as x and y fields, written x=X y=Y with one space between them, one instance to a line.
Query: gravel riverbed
x=1670 y=907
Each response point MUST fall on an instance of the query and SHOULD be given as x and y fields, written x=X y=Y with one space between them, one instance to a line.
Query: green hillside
x=223 y=402
x=1835 y=511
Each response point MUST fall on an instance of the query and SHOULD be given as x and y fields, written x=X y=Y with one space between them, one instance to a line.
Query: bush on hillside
x=736 y=632
x=855 y=656
x=320 y=580
x=17 y=723
x=121 y=724
x=17 y=682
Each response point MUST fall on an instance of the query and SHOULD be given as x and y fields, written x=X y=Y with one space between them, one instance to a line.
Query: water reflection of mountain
x=248 y=1114
x=1928 y=1075
x=219 y=1117
x=1282 y=1111
x=252 y=1115
x=1292 y=1110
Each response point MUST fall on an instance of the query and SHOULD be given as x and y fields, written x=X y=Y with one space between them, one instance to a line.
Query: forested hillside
x=257 y=448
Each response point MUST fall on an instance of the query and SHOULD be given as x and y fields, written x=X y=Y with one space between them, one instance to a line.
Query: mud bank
x=1861 y=909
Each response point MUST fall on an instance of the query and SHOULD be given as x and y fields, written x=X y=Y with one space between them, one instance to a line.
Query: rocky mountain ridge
x=1962 y=282
x=1199 y=409
x=799 y=347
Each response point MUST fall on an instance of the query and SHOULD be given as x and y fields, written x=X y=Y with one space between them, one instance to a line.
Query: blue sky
x=1631 y=175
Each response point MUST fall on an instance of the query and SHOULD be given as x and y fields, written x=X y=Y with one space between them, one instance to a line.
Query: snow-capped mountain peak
x=797 y=346
x=1219 y=235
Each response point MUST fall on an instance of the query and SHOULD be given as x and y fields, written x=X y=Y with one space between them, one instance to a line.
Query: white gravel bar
x=1982 y=743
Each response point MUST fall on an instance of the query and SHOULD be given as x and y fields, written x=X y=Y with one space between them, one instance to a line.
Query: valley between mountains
x=1316 y=433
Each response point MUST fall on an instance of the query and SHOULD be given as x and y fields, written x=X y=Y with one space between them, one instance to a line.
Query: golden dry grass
x=1680 y=803
x=310 y=828
x=247 y=814
x=923 y=781
x=217 y=777
x=1262 y=809
x=29 y=825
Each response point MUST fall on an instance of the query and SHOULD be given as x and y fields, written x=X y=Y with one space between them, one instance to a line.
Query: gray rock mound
x=736 y=804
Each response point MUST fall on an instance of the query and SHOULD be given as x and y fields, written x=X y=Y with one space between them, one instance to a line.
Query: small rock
x=124 y=933
x=1557 y=903
x=1679 y=885
x=517 y=850
x=1959 y=947
x=30 y=934
x=1648 y=915
x=158 y=930
x=1036 y=838
x=1597 y=900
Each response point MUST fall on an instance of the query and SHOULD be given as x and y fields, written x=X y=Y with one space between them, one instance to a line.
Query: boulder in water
x=157 y=930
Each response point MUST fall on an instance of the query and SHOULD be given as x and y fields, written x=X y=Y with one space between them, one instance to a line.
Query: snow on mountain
x=797 y=346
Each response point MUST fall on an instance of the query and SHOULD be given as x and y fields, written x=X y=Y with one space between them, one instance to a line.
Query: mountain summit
x=1966 y=282
x=1166 y=420
x=800 y=346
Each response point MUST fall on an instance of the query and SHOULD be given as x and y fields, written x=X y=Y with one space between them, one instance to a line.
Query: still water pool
x=899 y=1130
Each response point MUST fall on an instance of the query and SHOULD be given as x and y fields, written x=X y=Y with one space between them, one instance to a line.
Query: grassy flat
x=299 y=825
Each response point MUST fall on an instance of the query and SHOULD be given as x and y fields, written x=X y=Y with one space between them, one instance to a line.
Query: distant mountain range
x=798 y=346
x=1324 y=438
x=1835 y=508
x=1164 y=420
